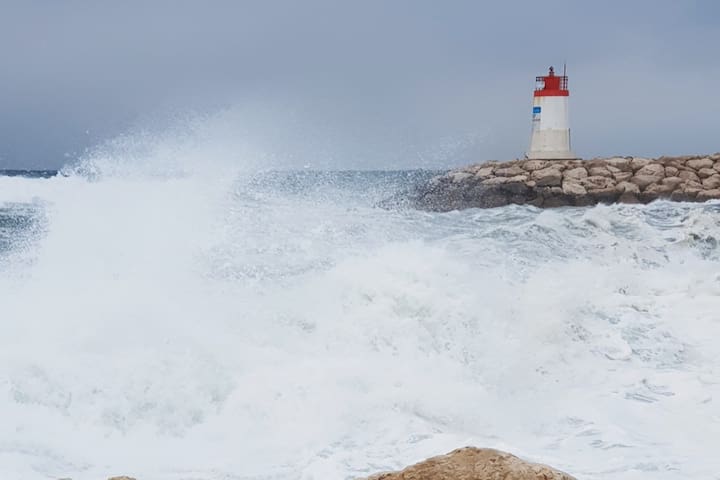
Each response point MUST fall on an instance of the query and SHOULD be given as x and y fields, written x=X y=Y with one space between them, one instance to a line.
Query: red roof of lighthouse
x=552 y=85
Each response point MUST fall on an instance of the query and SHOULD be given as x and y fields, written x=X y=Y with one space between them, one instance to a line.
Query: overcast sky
x=359 y=84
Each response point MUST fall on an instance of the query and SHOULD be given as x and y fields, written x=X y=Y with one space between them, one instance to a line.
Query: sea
x=266 y=324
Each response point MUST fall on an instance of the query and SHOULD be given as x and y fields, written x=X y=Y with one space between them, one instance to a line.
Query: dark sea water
x=216 y=324
x=28 y=173
x=20 y=221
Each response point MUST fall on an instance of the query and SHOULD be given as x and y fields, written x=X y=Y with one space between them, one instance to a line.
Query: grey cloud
x=378 y=83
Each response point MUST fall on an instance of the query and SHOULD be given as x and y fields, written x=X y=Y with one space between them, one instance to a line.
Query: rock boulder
x=697 y=164
x=475 y=464
x=547 y=177
x=558 y=183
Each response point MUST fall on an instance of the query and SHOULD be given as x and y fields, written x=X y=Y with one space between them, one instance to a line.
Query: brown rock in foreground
x=560 y=183
x=471 y=463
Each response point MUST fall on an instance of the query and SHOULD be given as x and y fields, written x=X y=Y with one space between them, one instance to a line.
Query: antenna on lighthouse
x=551 y=128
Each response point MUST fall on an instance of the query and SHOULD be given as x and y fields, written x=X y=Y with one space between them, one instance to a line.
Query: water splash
x=280 y=326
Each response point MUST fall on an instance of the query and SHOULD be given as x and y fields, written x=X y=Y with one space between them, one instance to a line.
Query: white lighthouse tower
x=550 y=128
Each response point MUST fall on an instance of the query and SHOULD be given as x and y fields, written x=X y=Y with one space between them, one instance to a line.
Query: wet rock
x=604 y=195
x=516 y=187
x=659 y=189
x=492 y=200
x=704 y=195
x=479 y=166
x=647 y=197
x=519 y=178
x=627 y=187
x=569 y=183
x=537 y=201
x=690 y=189
x=459 y=177
x=475 y=464
x=680 y=196
x=628 y=197
x=557 y=201
x=484 y=172
x=495 y=181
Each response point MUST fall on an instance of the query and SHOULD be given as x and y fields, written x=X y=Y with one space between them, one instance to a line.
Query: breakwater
x=558 y=183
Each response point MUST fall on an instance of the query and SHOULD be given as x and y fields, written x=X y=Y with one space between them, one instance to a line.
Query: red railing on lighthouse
x=552 y=85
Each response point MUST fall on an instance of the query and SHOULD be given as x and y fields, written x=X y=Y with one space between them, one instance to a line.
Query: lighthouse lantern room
x=550 y=126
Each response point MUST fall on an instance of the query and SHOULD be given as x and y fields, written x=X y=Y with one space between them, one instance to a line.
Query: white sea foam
x=211 y=326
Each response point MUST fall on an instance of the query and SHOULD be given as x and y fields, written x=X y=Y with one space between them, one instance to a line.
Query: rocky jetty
x=559 y=183
x=475 y=464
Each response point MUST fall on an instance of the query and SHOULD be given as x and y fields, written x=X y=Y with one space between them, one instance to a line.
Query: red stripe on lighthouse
x=552 y=85
x=552 y=93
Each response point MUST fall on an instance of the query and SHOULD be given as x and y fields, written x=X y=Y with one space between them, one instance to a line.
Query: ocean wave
x=280 y=325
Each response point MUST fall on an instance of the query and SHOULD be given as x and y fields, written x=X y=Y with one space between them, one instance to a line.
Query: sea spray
x=238 y=323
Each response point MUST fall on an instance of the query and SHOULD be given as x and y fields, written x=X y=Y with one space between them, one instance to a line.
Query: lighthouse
x=550 y=125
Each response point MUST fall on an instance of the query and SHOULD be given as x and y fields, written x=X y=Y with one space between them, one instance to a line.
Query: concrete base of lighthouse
x=550 y=144
x=551 y=156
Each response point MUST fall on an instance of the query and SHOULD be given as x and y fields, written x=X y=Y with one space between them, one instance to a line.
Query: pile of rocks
x=471 y=463
x=557 y=183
